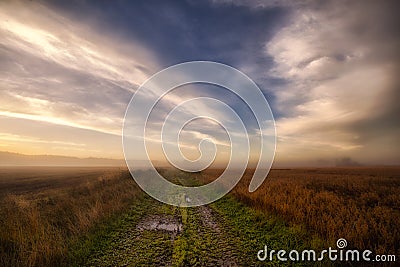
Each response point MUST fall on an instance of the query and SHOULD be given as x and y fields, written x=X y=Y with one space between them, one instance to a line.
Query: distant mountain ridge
x=16 y=159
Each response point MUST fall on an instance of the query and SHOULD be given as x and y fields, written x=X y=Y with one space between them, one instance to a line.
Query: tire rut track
x=169 y=236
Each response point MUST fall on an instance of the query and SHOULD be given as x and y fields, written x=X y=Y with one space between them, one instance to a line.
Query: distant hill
x=16 y=159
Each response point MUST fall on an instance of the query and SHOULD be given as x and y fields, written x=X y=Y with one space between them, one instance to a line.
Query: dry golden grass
x=44 y=210
x=358 y=204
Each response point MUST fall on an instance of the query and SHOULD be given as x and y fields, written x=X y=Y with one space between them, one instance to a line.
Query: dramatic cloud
x=328 y=68
x=61 y=73
x=57 y=72
x=341 y=62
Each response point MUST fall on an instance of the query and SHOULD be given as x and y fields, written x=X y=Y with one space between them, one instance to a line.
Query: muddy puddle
x=163 y=223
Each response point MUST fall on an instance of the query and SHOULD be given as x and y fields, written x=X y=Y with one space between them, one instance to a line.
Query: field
x=45 y=210
x=361 y=205
x=99 y=217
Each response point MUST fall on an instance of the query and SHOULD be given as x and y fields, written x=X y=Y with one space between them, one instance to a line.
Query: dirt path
x=169 y=236
x=224 y=233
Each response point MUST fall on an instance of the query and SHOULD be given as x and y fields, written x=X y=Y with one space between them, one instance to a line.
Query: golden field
x=360 y=204
x=44 y=211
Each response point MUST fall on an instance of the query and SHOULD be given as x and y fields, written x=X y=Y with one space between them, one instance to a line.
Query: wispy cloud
x=340 y=62
x=58 y=71
x=330 y=70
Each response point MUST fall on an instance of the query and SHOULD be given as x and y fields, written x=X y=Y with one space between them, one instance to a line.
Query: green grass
x=101 y=237
x=253 y=229
x=181 y=243
x=243 y=232
x=233 y=233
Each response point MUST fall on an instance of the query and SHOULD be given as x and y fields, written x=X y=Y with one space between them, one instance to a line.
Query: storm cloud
x=329 y=70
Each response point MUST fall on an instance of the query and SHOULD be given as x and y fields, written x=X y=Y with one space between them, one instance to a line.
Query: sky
x=329 y=70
